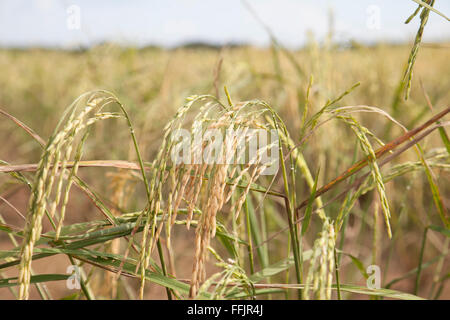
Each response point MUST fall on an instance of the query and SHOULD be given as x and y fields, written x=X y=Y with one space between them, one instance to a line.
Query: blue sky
x=171 y=22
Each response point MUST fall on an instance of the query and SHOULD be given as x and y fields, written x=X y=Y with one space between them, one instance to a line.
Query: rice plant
x=129 y=195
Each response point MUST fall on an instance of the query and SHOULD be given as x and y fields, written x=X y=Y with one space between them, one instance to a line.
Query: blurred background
x=154 y=54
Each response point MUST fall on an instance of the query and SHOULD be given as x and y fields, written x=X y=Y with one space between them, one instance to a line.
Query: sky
x=74 y=23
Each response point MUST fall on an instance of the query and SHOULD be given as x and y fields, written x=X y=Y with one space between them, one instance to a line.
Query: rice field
x=92 y=205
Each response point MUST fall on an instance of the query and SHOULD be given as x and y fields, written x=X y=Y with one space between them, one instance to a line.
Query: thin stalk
x=419 y=267
x=292 y=230
x=249 y=236
x=163 y=265
x=338 y=284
